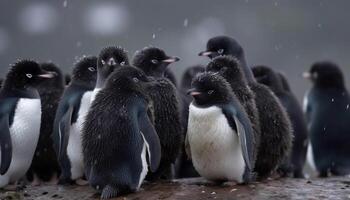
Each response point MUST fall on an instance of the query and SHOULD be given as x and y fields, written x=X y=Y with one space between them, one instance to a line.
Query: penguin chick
x=327 y=110
x=69 y=118
x=219 y=134
x=119 y=140
x=278 y=84
x=20 y=119
x=153 y=61
x=44 y=166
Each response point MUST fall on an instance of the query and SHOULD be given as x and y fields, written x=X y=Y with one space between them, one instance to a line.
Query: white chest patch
x=74 y=148
x=25 y=131
x=94 y=93
x=145 y=150
x=215 y=147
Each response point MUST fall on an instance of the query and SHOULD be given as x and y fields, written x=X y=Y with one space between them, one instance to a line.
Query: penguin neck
x=247 y=71
x=101 y=79
x=20 y=92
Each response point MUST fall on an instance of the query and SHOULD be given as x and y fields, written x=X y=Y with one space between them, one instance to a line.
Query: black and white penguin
x=119 y=140
x=109 y=59
x=45 y=167
x=184 y=166
x=70 y=115
x=275 y=126
x=278 y=84
x=20 y=118
x=219 y=135
x=153 y=61
x=327 y=106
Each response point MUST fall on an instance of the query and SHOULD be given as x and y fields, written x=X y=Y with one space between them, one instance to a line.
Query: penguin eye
x=221 y=51
x=122 y=63
x=103 y=62
x=91 y=69
x=154 y=61
x=136 y=80
x=210 y=92
x=29 y=75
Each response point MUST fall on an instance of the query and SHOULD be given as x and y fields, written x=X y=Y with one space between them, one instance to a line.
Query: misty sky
x=286 y=35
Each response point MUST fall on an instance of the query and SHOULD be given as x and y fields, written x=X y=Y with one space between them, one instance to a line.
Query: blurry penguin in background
x=20 y=119
x=184 y=166
x=69 y=119
x=278 y=84
x=119 y=140
x=44 y=166
x=275 y=126
x=153 y=61
x=327 y=107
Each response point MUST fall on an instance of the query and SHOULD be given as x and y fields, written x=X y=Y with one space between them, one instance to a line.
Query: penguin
x=70 y=115
x=44 y=167
x=184 y=166
x=119 y=140
x=171 y=76
x=20 y=118
x=279 y=85
x=327 y=110
x=219 y=134
x=153 y=61
x=275 y=126
x=109 y=59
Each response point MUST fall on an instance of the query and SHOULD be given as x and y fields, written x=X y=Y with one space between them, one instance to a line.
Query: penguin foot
x=109 y=192
x=10 y=188
x=54 y=180
x=36 y=181
x=81 y=182
x=229 y=184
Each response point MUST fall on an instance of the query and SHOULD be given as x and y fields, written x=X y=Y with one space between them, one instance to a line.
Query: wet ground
x=191 y=189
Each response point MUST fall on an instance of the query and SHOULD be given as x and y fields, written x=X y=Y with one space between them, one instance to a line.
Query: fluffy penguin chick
x=119 y=140
x=219 y=134
x=45 y=166
x=69 y=118
x=275 y=126
x=153 y=61
x=328 y=114
x=278 y=84
x=20 y=118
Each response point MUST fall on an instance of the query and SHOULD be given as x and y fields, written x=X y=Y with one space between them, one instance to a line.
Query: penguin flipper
x=151 y=138
x=6 y=144
x=188 y=148
x=240 y=122
x=63 y=130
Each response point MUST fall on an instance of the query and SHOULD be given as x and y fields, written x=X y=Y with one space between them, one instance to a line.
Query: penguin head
x=153 y=61
x=223 y=45
x=325 y=74
x=25 y=74
x=267 y=76
x=210 y=89
x=57 y=81
x=189 y=74
x=111 y=58
x=228 y=67
x=129 y=79
x=85 y=71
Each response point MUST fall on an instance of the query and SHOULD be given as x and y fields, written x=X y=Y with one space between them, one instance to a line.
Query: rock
x=189 y=189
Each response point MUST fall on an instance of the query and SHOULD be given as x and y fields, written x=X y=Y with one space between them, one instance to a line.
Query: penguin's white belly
x=145 y=150
x=94 y=93
x=74 y=148
x=25 y=131
x=215 y=147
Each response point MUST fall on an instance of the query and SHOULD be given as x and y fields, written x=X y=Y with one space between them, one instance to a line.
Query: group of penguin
x=118 y=123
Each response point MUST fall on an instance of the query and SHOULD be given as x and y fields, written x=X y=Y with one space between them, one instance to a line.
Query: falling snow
x=186 y=22
x=65 y=3
x=154 y=36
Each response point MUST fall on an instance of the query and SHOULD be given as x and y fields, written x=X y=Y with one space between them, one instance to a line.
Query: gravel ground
x=190 y=189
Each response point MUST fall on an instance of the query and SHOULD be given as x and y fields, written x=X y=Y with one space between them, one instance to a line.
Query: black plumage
x=279 y=85
x=44 y=164
x=171 y=76
x=116 y=132
x=153 y=61
x=275 y=126
x=184 y=166
x=328 y=114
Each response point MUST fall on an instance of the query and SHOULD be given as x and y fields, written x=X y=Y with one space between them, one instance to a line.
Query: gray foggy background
x=286 y=35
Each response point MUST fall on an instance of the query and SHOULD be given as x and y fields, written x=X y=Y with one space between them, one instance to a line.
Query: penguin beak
x=111 y=62
x=206 y=53
x=171 y=59
x=307 y=75
x=193 y=92
x=48 y=75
